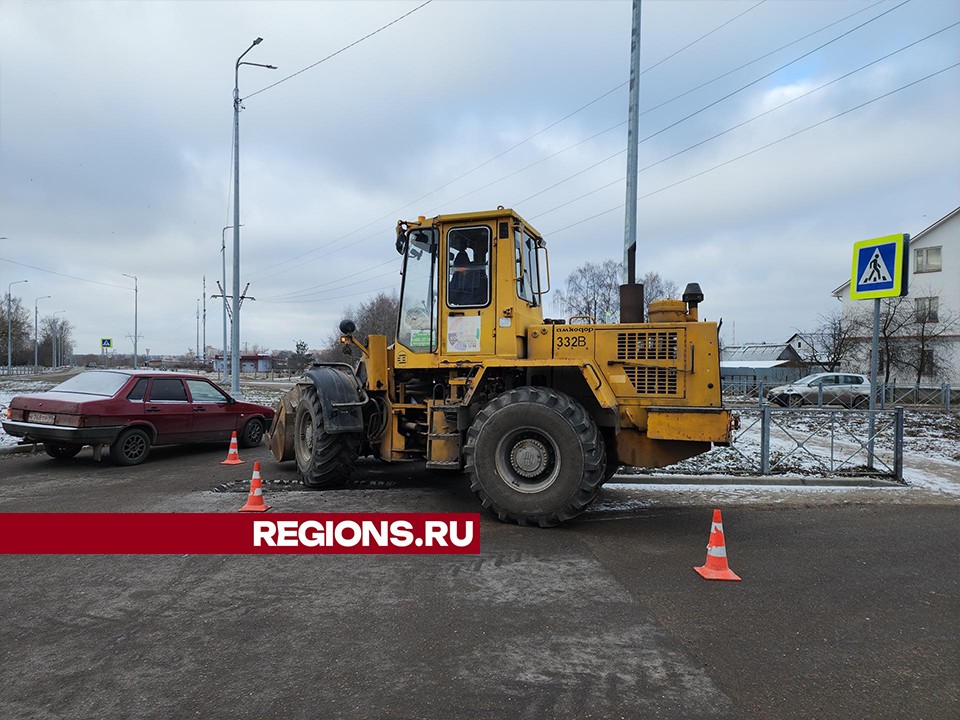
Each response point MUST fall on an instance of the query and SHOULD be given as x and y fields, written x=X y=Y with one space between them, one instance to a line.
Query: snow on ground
x=8 y=390
x=931 y=448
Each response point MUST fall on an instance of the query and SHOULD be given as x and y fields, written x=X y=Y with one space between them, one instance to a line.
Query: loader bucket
x=282 y=427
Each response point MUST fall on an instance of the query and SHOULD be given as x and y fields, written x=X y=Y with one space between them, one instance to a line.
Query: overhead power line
x=745 y=122
x=312 y=289
x=344 y=48
x=545 y=129
x=72 y=277
x=681 y=120
x=759 y=149
x=337 y=297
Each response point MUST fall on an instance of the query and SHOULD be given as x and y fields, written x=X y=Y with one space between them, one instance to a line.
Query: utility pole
x=203 y=352
x=235 y=355
x=136 y=334
x=197 y=355
x=631 y=294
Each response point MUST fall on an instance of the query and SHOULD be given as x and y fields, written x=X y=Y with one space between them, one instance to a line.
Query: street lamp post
x=56 y=339
x=235 y=354
x=136 y=334
x=36 y=336
x=10 y=326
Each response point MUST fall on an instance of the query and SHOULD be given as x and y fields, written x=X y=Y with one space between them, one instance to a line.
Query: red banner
x=229 y=534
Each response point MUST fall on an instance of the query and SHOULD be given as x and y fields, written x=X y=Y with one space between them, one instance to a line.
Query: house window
x=926 y=260
x=927 y=309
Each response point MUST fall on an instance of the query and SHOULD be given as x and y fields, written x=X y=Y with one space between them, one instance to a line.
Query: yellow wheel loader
x=538 y=412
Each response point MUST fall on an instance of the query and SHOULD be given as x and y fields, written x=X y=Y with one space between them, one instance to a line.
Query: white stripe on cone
x=717 y=551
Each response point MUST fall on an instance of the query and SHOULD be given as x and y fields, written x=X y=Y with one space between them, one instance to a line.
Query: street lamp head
x=271 y=67
x=258 y=41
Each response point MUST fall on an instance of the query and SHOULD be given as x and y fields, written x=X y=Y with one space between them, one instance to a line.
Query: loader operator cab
x=464 y=278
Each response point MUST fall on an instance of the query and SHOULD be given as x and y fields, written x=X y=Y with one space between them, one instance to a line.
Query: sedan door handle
x=153 y=409
x=200 y=409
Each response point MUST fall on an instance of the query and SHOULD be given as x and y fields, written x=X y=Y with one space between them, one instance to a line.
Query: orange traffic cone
x=233 y=457
x=255 y=501
x=716 y=567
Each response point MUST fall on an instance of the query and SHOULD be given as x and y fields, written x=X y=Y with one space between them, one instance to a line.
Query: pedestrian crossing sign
x=106 y=343
x=880 y=268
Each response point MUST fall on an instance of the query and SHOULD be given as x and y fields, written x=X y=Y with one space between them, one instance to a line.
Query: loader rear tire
x=322 y=459
x=535 y=457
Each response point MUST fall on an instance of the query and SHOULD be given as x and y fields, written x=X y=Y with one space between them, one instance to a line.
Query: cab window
x=525 y=254
x=468 y=267
x=167 y=390
x=417 y=327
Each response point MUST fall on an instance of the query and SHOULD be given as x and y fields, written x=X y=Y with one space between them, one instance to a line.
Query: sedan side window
x=203 y=392
x=852 y=380
x=167 y=390
x=139 y=391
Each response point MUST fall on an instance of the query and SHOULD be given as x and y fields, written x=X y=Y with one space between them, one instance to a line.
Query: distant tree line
x=21 y=325
x=914 y=339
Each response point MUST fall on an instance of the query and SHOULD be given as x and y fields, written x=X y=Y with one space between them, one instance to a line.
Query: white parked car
x=848 y=389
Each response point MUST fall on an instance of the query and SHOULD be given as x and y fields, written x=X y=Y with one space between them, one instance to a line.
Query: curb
x=18 y=449
x=757 y=480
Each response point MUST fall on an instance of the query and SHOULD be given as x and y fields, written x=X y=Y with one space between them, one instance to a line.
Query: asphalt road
x=848 y=609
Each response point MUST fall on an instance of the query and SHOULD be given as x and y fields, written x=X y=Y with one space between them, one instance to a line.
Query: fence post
x=765 y=440
x=946 y=397
x=820 y=396
x=916 y=394
x=898 y=445
x=883 y=396
x=760 y=393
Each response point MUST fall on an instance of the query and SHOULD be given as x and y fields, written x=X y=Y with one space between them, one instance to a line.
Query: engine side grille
x=658 y=345
x=653 y=380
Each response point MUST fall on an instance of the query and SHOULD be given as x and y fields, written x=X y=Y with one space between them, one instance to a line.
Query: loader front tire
x=323 y=459
x=535 y=457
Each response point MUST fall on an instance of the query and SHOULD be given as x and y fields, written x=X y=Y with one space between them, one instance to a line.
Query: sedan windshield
x=105 y=384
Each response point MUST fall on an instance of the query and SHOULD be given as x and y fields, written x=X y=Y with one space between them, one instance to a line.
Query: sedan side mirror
x=231 y=401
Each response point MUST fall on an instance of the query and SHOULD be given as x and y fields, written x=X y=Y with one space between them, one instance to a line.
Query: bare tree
x=593 y=289
x=21 y=321
x=657 y=288
x=376 y=316
x=836 y=340
x=924 y=340
x=895 y=315
x=53 y=327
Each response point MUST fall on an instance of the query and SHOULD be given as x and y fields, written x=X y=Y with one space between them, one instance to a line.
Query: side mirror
x=231 y=401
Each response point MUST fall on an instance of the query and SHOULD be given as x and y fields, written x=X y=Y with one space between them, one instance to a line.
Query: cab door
x=468 y=326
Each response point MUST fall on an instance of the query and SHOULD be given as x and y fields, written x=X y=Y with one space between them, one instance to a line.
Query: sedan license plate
x=43 y=418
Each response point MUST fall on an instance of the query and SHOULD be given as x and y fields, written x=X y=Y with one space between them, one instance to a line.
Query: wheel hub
x=529 y=457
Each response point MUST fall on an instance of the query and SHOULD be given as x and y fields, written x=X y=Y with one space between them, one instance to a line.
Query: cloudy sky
x=115 y=148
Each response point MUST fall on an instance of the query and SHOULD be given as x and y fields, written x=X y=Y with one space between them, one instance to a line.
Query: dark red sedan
x=130 y=411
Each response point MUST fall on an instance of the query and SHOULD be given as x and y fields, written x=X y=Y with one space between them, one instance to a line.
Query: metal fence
x=889 y=394
x=819 y=442
x=22 y=370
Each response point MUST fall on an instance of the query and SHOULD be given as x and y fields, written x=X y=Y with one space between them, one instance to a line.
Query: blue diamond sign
x=880 y=267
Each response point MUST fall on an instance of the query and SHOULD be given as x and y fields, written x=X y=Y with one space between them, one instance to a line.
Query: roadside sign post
x=880 y=270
